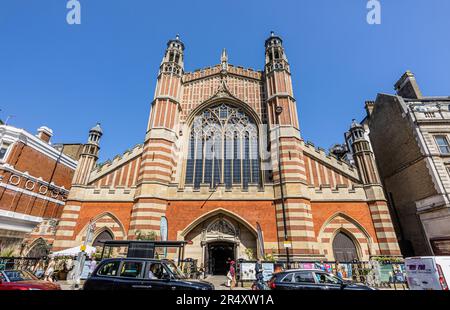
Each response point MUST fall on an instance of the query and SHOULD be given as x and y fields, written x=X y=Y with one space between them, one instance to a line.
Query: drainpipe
x=278 y=111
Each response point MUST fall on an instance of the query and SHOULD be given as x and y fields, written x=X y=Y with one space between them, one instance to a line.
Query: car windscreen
x=19 y=275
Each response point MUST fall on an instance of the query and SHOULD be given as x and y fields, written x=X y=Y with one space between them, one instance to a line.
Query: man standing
x=259 y=275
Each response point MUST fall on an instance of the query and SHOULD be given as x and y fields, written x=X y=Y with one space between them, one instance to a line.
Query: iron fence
x=18 y=263
x=380 y=274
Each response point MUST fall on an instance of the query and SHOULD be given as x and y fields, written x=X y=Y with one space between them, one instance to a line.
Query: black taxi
x=141 y=274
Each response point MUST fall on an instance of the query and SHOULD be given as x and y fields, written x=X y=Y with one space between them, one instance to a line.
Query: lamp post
x=82 y=254
x=278 y=111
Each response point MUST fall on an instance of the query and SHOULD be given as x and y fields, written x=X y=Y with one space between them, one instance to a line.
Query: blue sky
x=68 y=77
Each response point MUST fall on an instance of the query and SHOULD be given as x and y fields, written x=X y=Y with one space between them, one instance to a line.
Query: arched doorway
x=219 y=238
x=344 y=248
x=219 y=255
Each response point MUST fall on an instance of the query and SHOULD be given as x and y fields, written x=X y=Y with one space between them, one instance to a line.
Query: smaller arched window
x=103 y=236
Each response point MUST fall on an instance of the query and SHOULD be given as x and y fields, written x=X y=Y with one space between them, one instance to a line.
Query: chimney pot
x=45 y=133
x=407 y=86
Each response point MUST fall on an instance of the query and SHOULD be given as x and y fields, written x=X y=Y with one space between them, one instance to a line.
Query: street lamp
x=278 y=111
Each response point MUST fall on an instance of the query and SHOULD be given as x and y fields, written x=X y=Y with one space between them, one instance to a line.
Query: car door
x=328 y=281
x=4 y=284
x=305 y=280
x=104 y=277
x=131 y=276
x=156 y=277
x=285 y=282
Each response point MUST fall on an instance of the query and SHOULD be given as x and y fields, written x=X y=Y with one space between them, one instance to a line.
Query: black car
x=141 y=274
x=303 y=279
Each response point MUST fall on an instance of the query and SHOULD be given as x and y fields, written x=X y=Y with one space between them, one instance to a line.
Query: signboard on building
x=268 y=269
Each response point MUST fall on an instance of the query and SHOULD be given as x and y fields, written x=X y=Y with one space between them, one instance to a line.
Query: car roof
x=135 y=259
x=303 y=269
x=298 y=270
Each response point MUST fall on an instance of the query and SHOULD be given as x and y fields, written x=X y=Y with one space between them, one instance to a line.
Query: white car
x=428 y=272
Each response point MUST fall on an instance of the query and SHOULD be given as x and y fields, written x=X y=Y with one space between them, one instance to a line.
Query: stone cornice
x=13 y=134
x=39 y=180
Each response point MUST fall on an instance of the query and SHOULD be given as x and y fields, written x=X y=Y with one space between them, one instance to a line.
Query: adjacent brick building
x=410 y=136
x=209 y=168
x=35 y=179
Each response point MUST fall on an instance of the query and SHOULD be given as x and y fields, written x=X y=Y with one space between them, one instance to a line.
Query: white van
x=428 y=272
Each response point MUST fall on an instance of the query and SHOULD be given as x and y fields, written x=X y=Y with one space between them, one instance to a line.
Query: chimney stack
x=369 y=105
x=407 y=86
x=44 y=133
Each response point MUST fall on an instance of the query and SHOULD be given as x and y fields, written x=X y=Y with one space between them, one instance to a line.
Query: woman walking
x=50 y=270
x=232 y=275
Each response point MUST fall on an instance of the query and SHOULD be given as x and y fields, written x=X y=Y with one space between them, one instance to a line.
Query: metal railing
x=373 y=273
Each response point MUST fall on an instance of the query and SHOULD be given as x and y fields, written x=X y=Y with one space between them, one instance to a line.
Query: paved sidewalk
x=220 y=283
x=66 y=286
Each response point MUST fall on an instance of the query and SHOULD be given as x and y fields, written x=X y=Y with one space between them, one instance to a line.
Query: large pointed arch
x=343 y=223
x=232 y=101
x=105 y=220
x=349 y=219
x=216 y=212
x=38 y=248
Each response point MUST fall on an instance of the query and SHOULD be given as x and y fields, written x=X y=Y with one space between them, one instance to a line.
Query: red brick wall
x=182 y=213
x=26 y=159
x=359 y=211
x=122 y=210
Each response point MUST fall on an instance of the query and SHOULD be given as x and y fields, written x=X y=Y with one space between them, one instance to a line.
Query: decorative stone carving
x=14 y=179
x=29 y=185
x=222 y=227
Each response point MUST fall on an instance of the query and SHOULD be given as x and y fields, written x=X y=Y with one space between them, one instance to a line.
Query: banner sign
x=268 y=269
x=260 y=240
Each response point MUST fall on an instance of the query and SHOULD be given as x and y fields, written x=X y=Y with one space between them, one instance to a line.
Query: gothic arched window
x=223 y=148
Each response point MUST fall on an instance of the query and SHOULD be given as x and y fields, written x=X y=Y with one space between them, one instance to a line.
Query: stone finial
x=224 y=57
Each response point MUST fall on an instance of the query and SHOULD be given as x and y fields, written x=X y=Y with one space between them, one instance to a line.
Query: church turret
x=168 y=86
x=173 y=61
x=368 y=172
x=279 y=84
x=363 y=155
x=288 y=160
x=88 y=157
x=275 y=56
x=163 y=131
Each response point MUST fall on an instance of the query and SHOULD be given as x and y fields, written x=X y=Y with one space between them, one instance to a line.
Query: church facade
x=223 y=167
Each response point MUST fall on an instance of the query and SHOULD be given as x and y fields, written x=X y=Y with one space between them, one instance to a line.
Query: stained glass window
x=223 y=149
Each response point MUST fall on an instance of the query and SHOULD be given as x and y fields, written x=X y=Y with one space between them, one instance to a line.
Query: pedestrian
x=77 y=270
x=50 y=270
x=92 y=266
x=322 y=266
x=39 y=269
x=338 y=270
x=259 y=274
x=258 y=270
x=232 y=273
